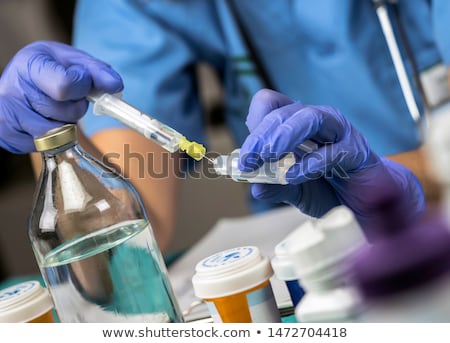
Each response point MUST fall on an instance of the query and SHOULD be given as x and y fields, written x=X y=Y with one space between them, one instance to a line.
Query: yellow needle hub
x=193 y=149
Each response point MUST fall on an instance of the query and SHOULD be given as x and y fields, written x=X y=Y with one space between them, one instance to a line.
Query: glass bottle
x=92 y=240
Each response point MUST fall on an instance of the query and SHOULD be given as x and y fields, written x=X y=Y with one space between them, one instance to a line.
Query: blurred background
x=25 y=21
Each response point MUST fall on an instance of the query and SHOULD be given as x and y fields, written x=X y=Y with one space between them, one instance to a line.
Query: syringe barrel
x=272 y=173
x=113 y=106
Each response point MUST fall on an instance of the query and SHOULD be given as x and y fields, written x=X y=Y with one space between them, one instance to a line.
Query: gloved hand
x=44 y=86
x=342 y=171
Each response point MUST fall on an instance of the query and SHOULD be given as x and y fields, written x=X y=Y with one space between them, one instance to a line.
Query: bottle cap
x=231 y=271
x=56 y=137
x=282 y=265
x=316 y=246
x=24 y=302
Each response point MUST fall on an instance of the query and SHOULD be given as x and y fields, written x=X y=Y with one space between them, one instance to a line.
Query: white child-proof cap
x=231 y=271
x=24 y=302
x=320 y=246
x=282 y=265
x=282 y=262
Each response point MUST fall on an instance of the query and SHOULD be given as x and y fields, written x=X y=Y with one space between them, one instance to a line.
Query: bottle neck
x=48 y=154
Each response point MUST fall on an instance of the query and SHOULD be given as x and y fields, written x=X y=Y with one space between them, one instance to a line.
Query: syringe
x=273 y=172
x=161 y=134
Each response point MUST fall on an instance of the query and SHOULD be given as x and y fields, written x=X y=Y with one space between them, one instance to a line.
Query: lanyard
x=399 y=65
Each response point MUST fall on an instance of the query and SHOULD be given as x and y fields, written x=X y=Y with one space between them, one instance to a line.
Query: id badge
x=436 y=87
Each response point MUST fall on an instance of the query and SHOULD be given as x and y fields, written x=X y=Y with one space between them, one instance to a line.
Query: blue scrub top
x=327 y=52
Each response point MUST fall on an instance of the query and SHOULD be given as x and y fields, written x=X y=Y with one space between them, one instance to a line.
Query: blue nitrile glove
x=342 y=171
x=44 y=86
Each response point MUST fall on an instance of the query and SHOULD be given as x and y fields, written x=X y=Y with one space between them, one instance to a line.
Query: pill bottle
x=26 y=302
x=235 y=284
x=284 y=270
x=321 y=254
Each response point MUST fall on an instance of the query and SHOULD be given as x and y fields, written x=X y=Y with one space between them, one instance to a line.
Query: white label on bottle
x=262 y=305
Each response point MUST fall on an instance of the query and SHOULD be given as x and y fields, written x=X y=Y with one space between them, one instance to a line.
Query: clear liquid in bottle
x=124 y=251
